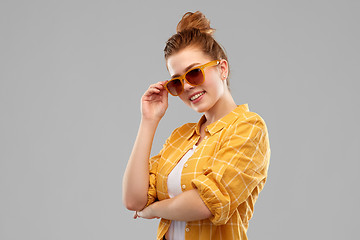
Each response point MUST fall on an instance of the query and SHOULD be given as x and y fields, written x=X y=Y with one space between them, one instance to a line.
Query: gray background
x=72 y=74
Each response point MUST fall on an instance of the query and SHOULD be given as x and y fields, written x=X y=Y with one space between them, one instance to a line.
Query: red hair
x=194 y=30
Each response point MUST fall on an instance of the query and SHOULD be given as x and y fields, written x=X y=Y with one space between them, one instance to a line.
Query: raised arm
x=154 y=103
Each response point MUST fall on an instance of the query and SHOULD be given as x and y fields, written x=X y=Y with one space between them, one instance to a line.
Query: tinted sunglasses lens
x=175 y=87
x=195 y=76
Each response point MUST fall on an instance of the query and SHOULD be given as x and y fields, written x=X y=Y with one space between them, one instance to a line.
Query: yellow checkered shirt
x=229 y=169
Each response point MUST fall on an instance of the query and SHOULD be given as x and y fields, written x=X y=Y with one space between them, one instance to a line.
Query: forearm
x=187 y=206
x=136 y=176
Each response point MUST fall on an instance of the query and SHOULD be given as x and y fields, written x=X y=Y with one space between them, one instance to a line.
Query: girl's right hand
x=154 y=102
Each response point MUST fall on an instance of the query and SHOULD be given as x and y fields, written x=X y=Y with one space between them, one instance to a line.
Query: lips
x=196 y=95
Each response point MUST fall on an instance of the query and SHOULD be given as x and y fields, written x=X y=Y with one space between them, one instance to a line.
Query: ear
x=224 y=69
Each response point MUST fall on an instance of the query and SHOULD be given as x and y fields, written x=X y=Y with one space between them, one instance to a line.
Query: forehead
x=178 y=62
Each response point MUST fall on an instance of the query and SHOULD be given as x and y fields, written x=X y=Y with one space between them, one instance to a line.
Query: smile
x=197 y=96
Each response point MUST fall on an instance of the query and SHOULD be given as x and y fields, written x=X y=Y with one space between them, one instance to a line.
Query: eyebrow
x=186 y=69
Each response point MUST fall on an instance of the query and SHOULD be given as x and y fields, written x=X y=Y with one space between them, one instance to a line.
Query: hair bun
x=195 y=20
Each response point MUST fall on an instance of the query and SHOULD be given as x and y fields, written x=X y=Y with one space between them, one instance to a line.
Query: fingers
x=137 y=214
x=140 y=214
x=156 y=88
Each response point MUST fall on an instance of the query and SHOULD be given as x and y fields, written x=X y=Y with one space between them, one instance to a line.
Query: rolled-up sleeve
x=153 y=163
x=240 y=164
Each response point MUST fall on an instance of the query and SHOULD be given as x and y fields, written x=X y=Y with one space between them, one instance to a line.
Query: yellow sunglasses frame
x=182 y=77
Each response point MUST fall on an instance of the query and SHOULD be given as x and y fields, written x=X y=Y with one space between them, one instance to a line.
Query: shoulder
x=246 y=123
x=247 y=130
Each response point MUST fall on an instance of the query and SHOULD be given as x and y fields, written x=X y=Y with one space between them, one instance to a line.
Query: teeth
x=196 y=96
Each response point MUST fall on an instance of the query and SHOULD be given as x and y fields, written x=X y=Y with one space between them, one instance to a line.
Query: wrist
x=150 y=121
x=149 y=212
x=154 y=209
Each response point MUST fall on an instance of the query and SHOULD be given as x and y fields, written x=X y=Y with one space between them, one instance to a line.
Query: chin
x=200 y=108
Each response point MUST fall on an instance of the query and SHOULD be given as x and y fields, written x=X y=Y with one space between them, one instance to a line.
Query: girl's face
x=204 y=97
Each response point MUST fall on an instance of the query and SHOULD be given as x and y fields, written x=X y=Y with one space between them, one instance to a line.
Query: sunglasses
x=194 y=77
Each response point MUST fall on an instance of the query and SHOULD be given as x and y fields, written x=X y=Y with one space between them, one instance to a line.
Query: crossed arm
x=187 y=206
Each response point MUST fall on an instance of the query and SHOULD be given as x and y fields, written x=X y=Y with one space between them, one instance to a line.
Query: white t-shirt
x=177 y=228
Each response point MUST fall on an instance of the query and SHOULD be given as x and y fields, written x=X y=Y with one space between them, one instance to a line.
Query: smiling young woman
x=205 y=181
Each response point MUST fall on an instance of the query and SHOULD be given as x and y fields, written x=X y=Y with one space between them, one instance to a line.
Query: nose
x=187 y=86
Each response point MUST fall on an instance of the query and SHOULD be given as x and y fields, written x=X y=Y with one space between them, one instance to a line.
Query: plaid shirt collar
x=221 y=123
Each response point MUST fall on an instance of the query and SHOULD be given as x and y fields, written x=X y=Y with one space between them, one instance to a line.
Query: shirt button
x=187 y=229
x=183 y=186
x=185 y=165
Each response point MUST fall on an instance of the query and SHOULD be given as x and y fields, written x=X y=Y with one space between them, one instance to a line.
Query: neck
x=223 y=106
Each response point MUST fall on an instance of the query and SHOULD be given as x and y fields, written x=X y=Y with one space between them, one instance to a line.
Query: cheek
x=215 y=85
x=184 y=99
